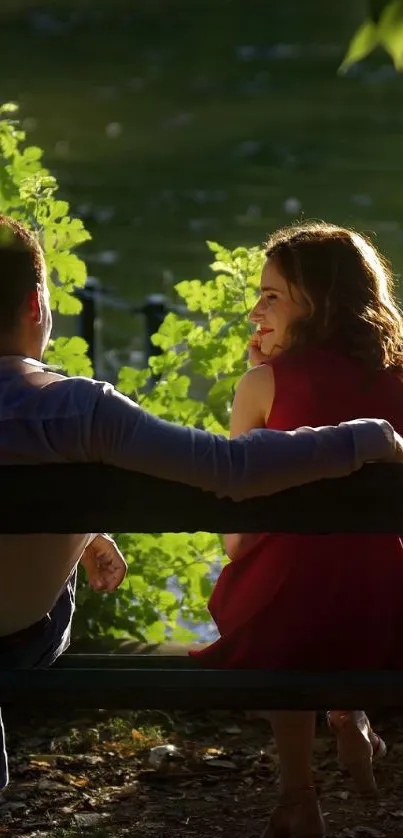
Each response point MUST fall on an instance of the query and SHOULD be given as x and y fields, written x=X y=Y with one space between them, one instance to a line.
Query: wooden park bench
x=97 y=498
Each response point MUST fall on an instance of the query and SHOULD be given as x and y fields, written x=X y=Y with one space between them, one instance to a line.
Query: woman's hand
x=255 y=354
x=104 y=564
x=257 y=346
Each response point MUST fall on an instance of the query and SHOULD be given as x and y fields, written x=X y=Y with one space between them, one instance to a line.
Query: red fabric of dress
x=315 y=601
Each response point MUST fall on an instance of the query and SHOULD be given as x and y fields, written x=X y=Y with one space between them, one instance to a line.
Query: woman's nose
x=254 y=314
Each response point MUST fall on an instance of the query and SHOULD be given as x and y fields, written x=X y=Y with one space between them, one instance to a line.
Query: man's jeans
x=37 y=648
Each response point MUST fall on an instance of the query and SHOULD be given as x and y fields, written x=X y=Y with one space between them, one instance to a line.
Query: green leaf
x=213 y=426
x=225 y=267
x=363 y=42
x=192 y=292
x=195 y=573
x=32 y=154
x=206 y=587
x=62 y=300
x=131 y=380
x=156 y=632
x=71 y=271
x=8 y=107
x=221 y=395
x=180 y=387
x=138 y=585
x=57 y=210
x=390 y=32
x=70 y=355
x=180 y=634
x=167 y=599
x=376 y=8
x=213 y=246
x=222 y=253
x=172 y=332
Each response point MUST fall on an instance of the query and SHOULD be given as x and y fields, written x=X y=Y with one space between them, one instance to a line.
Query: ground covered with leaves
x=98 y=776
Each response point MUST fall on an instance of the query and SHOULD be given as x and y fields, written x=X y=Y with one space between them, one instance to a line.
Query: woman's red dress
x=315 y=601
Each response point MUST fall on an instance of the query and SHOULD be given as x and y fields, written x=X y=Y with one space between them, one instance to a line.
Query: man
x=47 y=418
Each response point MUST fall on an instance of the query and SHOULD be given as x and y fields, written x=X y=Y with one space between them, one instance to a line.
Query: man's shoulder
x=51 y=375
x=33 y=391
x=75 y=388
x=45 y=392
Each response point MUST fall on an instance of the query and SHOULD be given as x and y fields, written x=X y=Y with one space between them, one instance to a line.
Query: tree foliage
x=202 y=357
x=27 y=193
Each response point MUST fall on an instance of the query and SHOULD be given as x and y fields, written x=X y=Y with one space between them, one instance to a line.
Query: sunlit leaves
x=382 y=28
x=202 y=359
x=364 y=41
x=28 y=193
x=202 y=356
x=70 y=354
x=131 y=381
x=390 y=30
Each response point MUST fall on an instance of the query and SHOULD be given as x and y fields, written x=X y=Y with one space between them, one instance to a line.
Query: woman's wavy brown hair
x=350 y=288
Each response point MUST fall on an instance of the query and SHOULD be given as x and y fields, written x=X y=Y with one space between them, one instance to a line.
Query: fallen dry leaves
x=91 y=775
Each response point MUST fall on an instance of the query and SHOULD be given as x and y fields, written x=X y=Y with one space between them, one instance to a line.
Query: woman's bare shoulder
x=257 y=377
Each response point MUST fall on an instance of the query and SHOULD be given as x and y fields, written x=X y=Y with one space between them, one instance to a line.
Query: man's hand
x=104 y=564
x=398 y=458
x=395 y=453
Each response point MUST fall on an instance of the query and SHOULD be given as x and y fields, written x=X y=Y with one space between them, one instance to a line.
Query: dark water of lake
x=170 y=122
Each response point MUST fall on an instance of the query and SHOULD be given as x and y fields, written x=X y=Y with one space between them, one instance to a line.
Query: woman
x=328 y=348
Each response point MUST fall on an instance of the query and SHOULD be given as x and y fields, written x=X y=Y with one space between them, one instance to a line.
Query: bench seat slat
x=161 y=688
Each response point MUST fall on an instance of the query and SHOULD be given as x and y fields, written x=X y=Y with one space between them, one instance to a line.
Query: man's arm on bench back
x=261 y=463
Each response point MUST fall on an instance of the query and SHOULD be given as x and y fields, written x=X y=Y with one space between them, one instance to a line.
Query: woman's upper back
x=321 y=387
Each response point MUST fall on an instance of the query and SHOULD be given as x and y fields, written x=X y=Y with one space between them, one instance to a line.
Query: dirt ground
x=90 y=776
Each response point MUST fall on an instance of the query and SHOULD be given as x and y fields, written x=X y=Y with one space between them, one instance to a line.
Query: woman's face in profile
x=279 y=305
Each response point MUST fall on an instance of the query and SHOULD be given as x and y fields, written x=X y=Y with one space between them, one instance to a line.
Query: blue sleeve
x=259 y=463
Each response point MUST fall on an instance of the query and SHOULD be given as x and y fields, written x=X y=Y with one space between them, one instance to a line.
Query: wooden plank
x=108 y=662
x=201 y=689
x=91 y=498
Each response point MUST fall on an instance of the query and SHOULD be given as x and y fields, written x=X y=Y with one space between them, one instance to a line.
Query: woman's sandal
x=357 y=746
x=297 y=815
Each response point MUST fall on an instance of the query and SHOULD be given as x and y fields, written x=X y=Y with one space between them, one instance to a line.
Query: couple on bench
x=327 y=350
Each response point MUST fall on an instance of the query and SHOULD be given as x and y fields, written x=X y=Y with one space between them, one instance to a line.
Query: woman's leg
x=294 y=733
x=298 y=813
x=357 y=746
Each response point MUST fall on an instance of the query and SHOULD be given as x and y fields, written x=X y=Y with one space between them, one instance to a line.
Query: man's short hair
x=22 y=268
